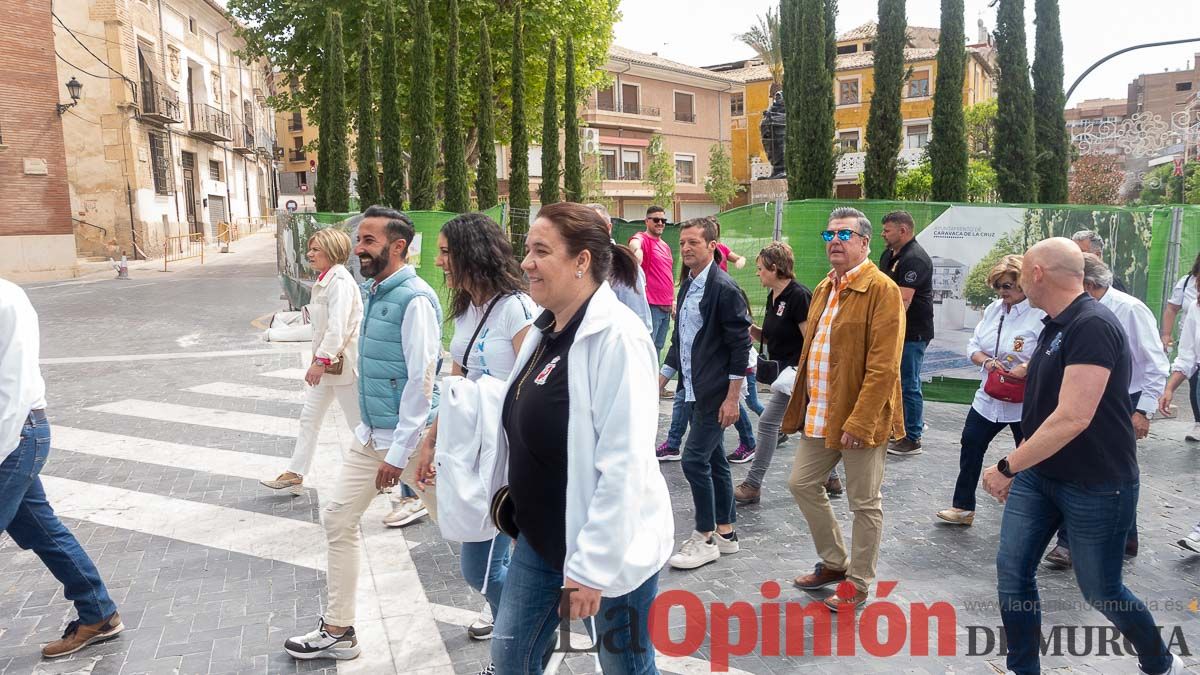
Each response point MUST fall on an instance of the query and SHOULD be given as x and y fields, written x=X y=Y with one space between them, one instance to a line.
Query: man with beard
x=398 y=352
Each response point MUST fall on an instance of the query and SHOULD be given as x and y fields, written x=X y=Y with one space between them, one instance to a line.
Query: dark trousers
x=977 y=435
x=707 y=472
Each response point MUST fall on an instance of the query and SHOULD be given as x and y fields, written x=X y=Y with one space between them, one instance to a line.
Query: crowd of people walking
x=537 y=451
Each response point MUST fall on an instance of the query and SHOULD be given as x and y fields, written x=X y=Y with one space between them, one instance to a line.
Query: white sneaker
x=1194 y=434
x=405 y=512
x=1192 y=541
x=1177 y=667
x=727 y=545
x=481 y=629
x=697 y=551
x=319 y=644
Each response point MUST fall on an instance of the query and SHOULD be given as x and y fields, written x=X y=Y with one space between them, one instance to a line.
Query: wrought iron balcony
x=628 y=108
x=243 y=139
x=160 y=104
x=211 y=123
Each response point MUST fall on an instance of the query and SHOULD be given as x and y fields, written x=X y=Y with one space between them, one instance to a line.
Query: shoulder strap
x=479 y=327
x=999 y=330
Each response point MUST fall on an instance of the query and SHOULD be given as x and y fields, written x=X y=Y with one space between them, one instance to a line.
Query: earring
x=578 y=274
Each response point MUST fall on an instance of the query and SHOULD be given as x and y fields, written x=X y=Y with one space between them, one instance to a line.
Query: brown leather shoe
x=821 y=577
x=77 y=636
x=746 y=494
x=833 y=486
x=836 y=603
x=1059 y=558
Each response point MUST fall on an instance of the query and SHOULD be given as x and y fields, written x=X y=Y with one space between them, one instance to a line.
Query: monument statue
x=771 y=129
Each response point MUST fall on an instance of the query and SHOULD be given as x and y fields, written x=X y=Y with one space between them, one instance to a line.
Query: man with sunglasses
x=847 y=399
x=907 y=263
x=658 y=263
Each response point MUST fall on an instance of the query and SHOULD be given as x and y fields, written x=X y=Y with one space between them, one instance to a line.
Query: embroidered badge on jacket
x=541 y=377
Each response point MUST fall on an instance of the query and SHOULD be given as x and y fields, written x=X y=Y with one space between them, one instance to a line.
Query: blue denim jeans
x=977 y=435
x=476 y=556
x=28 y=518
x=910 y=384
x=660 y=320
x=681 y=414
x=752 y=401
x=1098 y=515
x=707 y=472
x=528 y=622
x=1194 y=390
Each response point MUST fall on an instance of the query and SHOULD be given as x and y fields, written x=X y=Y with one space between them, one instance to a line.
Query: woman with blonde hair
x=336 y=311
x=1002 y=345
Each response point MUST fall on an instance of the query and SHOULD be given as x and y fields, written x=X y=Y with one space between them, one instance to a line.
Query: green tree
x=809 y=139
x=486 y=191
x=423 y=177
x=573 y=160
x=977 y=292
x=720 y=185
x=981 y=128
x=518 y=165
x=1096 y=179
x=454 y=155
x=660 y=172
x=333 y=155
x=367 y=164
x=763 y=38
x=1050 y=124
x=1015 y=154
x=831 y=12
x=885 y=125
x=390 y=130
x=948 y=143
x=548 y=192
x=592 y=178
x=916 y=183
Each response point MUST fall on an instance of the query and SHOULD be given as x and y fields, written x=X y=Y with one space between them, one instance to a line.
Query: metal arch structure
x=1119 y=52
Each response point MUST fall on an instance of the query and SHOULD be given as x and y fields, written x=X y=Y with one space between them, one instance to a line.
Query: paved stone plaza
x=155 y=466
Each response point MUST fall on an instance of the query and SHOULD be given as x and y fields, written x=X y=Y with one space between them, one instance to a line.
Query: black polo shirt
x=1085 y=333
x=912 y=268
x=781 y=324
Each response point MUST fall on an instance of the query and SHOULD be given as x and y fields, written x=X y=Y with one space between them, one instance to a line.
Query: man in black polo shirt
x=910 y=267
x=1077 y=466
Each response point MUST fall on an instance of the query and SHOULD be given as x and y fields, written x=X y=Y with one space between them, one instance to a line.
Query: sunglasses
x=842 y=235
x=660 y=221
x=1006 y=286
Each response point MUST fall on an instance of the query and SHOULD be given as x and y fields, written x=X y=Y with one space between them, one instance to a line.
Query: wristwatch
x=1002 y=467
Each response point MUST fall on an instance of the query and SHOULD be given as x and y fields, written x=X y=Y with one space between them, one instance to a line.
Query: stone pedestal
x=768 y=190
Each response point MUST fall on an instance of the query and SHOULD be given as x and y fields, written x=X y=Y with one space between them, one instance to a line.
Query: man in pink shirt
x=658 y=263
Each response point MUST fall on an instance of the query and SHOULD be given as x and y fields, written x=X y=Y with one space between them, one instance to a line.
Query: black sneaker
x=905 y=447
x=320 y=644
x=490 y=670
x=783 y=438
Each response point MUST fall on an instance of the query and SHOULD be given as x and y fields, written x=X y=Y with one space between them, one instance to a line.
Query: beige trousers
x=864 y=476
x=349 y=498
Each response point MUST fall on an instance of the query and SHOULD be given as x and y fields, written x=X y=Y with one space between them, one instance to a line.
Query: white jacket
x=620 y=528
x=336 y=311
x=469 y=415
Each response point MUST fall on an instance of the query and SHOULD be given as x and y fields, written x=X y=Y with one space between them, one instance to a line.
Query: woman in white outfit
x=336 y=311
x=1187 y=364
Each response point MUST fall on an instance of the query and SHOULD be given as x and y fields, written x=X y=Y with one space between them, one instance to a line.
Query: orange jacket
x=865 y=347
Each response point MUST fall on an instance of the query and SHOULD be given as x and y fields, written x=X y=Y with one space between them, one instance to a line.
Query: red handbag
x=1000 y=385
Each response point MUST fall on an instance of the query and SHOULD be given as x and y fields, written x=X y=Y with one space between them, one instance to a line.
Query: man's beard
x=373 y=265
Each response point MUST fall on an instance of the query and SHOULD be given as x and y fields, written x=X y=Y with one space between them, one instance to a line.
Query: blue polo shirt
x=1085 y=333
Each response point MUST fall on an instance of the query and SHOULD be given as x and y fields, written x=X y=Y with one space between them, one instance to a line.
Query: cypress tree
x=368 y=172
x=948 y=145
x=324 y=122
x=884 y=123
x=454 y=153
x=1050 y=122
x=1016 y=157
x=573 y=160
x=789 y=37
x=423 y=181
x=548 y=192
x=389 y=112
x=831 y=12
x=518 y=166
x=810 y=155
x=486 y=191
x=333 y=150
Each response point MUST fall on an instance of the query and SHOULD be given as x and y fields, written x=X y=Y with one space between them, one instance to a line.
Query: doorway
x=188 y=159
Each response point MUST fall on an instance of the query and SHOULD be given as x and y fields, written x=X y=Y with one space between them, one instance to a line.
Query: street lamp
x=75 y=89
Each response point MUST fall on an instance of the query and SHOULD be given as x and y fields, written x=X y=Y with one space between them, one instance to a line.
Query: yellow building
x=297 y=166
x=853 y=86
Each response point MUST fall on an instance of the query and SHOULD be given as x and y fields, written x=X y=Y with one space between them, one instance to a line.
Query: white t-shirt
x=1184 y=293
x=492 y=354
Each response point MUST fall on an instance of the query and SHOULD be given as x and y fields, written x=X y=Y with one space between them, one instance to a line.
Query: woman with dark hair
x=588 y=506
x=492 y=314
x=1182 y=300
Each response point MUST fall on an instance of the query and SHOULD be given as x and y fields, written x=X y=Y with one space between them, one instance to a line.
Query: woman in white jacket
x=591 y=506
x=1186 y=365
x=336 y=311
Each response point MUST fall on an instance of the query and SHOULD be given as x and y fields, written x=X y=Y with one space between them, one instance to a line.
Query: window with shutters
x=214 y=170
x=737 y=104
x=685 y=107
x=159 y=168
x=685 y=169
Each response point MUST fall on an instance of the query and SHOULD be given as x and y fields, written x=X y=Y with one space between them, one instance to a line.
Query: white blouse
x=1189 y=346
x=1183 y=294
x=492 y=354
x=1018 y=329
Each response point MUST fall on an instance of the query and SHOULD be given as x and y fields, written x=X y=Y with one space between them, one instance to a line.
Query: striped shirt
x=818 y=356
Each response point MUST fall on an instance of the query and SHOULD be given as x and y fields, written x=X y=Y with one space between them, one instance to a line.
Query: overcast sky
x=701 y=32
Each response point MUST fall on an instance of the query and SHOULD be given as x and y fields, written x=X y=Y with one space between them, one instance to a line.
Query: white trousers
x=316 y=404
x=343 y=510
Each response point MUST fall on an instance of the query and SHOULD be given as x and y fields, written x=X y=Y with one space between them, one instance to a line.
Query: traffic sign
x=304 y=188
x=1178 y=166
x=291 y=204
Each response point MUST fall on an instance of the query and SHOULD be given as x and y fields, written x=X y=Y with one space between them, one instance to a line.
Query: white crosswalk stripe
x=249 y=392
x=212 y=460
x=296 y=374
x=208 y=417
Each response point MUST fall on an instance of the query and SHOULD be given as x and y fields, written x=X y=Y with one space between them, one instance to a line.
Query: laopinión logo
x=881 y=629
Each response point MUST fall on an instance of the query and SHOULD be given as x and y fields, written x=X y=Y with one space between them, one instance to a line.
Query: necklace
x=533 y=363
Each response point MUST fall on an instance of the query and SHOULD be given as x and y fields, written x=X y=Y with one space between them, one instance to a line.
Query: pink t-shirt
x=658 y=264
x=724 y=256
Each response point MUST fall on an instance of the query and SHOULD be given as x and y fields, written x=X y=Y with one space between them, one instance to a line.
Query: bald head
x=1052 y=274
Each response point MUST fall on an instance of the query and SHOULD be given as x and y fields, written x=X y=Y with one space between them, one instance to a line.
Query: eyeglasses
x=1006 y=286
x=660 y=221
x=842 y=235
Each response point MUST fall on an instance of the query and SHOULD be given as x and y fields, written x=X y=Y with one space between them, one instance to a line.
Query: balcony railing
x=160 y=104
x=628 y=108
x=296 y=156
x=295 y=124
x=210 y=123
x=688 y=117
x=627 y=175
x=263 y=143
x=243 y=139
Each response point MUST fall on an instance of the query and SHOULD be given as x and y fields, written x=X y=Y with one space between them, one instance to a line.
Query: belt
x=37 y=416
